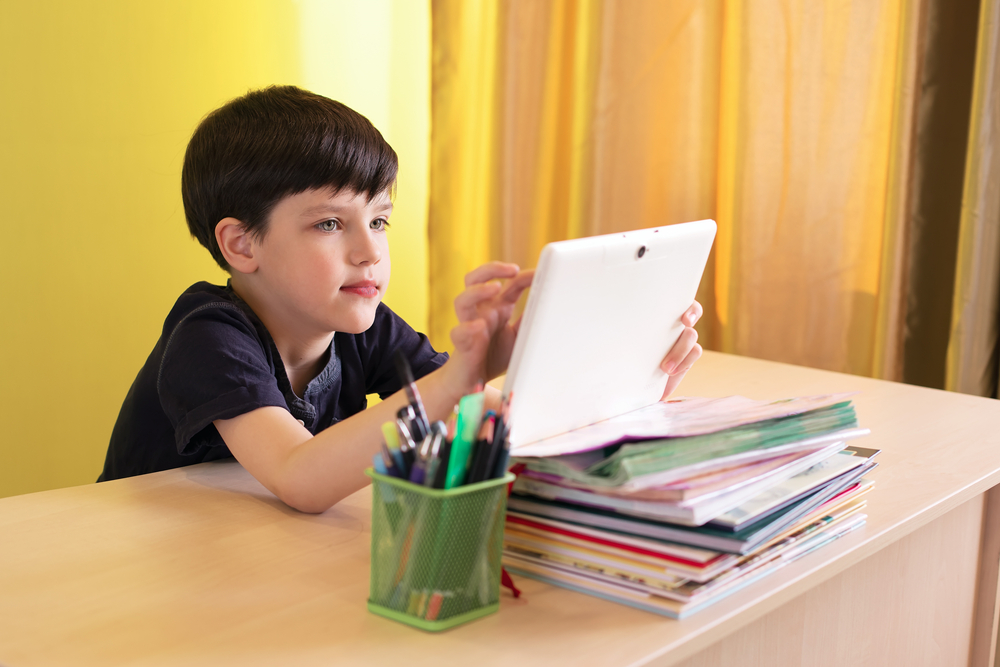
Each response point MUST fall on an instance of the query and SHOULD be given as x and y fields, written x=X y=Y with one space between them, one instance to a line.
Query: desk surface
x=202 y=565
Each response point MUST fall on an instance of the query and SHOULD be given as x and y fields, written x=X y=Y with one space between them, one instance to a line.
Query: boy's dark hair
x=268 y=144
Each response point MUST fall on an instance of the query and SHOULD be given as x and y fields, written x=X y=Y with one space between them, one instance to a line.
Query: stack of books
x=672 y=524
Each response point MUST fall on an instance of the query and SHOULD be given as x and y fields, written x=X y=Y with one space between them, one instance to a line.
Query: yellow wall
x=99 y=101
x=387 y=43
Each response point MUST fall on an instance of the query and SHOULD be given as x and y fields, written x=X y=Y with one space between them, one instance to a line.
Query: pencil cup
x=435 y=560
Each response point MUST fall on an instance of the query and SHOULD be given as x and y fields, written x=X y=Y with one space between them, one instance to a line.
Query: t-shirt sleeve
x=214 y=366
x=388 y=333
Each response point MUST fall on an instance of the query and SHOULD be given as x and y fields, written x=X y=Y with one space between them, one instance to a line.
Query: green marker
x=470 y=414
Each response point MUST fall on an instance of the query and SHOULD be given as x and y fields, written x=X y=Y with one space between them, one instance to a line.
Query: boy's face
x=324 y=260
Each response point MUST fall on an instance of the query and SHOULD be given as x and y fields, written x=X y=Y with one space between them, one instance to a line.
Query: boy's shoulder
x=207 y=325
x=202 y=295
x=209 y=301
x=209 y=349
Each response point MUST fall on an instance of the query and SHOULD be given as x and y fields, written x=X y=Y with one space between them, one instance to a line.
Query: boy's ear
x=236 y=245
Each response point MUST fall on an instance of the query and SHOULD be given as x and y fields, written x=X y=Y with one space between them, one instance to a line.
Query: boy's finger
x=672 y=383
x=490 y=271
x=681 y=370
x=467 y=303
x=514 y=287
x=693 y=314
x=685 y=365
x=685 y=343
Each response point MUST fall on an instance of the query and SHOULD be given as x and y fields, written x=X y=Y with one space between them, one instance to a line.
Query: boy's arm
x=312 y=473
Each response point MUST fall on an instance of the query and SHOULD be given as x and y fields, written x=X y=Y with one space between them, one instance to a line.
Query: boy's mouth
x=366 y=288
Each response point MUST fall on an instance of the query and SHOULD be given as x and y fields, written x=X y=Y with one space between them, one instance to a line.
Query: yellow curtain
x=784 y=120
x=973 y=362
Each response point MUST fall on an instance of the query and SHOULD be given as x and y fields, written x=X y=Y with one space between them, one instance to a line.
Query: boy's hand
x=685 y=351
x=484 y=337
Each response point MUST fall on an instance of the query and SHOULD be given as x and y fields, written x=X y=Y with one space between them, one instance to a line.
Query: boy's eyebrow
x=330 y=208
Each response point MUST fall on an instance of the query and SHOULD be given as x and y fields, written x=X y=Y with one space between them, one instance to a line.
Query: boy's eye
x=379 y=224
x=327 y=225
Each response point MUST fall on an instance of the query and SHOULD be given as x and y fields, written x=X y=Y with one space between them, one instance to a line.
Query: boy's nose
x=365 y=250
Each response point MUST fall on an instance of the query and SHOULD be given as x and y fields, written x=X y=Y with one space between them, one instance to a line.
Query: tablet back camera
x=640 y=252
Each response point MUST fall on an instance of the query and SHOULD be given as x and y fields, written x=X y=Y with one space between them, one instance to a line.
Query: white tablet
x=601 y=315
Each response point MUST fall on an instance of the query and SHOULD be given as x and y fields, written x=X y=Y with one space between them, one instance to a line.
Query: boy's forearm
x=320 y=471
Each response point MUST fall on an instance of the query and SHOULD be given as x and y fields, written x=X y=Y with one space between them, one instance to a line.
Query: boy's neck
x=304 y=355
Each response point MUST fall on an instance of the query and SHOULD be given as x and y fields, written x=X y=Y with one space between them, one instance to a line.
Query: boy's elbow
x=299 y=497
x=309 y=508
x=300 y=485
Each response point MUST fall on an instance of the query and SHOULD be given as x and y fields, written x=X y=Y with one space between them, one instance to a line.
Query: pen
x=407 y=433
x=407 y=445
x=495 y=452
x=406 y=375
x=470 y=412
x=481 y=457
x=502 y=460
x=388 y=465
x=391 y=436
x=413 y=426
x=442 y=464
x=419 y=470
x=434 y=605
x=501 y=440
x=378 y=463
x=439 y=432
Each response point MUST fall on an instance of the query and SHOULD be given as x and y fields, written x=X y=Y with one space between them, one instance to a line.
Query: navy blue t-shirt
x=216 y=360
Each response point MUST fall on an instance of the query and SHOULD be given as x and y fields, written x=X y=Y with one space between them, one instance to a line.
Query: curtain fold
x=941 y=126
x=465 y=109
x=887 y=352
x=973 y=341
x=802 y=219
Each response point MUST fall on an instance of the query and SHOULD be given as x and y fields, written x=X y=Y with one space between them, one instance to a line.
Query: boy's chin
x=357 y=324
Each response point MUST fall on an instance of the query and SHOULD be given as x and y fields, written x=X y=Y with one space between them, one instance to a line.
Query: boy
x=290 y=193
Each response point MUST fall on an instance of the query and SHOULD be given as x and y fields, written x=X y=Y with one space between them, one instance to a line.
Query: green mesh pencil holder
x=436 y=553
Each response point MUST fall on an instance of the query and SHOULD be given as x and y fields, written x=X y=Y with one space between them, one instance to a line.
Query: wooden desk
x=202 y=566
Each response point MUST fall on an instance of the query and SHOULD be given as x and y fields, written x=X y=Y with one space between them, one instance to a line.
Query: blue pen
x=388 y=465
x=391 y=438
x=379 y=465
